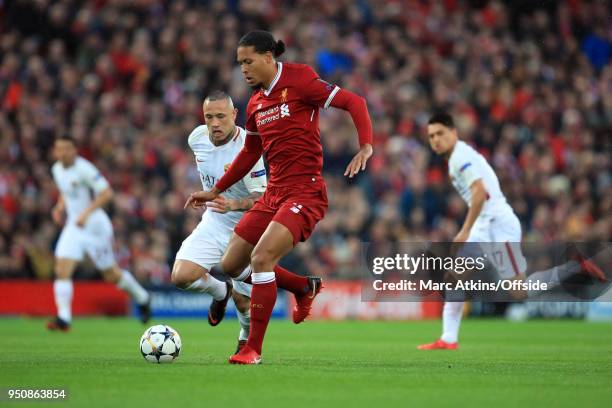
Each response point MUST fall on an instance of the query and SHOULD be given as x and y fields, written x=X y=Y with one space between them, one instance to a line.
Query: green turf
x=349 y=364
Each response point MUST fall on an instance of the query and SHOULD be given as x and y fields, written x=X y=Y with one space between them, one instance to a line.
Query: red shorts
x=298 y=208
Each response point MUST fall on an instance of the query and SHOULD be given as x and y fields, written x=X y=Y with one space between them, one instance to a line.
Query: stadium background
x=529 y=85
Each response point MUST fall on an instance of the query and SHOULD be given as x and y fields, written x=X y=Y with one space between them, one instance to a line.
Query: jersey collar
x=454 y=150
x=279 y=71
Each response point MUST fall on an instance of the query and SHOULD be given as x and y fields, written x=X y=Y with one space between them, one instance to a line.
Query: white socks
x=245 y=274
x=451 y=320
x=263 y=277
x=129 y=284
x=553 y=277
x=245 y=324
x=211 y=285
x=62 y=289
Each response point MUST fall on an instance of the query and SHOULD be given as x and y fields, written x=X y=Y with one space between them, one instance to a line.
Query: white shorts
x=499 y=237
x=205 y=246
x=95 y=240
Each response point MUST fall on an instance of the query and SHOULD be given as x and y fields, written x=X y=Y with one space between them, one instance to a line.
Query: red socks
x=263 y=299
x=296 y=284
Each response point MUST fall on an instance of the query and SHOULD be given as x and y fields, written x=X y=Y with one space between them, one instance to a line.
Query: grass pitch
x=336 y=364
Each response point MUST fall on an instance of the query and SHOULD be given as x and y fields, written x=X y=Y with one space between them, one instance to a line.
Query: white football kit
x=208 y=241
x=77 y=184
x=497 y=228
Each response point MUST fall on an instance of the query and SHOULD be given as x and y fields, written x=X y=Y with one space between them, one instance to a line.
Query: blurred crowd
x=529 y=84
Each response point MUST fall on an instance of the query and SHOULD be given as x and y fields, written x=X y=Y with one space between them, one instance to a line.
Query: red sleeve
x=316 y=91
x=243 y=163
x=356 y=106
x=250 y=126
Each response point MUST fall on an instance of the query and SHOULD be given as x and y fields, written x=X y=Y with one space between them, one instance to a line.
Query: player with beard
x=282 y=123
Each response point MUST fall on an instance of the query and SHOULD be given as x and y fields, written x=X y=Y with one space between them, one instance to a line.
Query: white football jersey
x=78 y=184
x=465 y=166
x=212 y=162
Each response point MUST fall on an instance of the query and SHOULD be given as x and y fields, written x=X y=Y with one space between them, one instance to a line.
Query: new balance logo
x=296 y=208
x=284 y=110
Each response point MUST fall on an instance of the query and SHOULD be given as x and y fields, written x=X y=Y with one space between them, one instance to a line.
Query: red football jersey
x=286 y=117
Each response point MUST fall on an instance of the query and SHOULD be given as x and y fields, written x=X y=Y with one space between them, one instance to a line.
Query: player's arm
x=245 y=160
x=358 y=109
x=223 y=205
x=101 y=200
x=102 y=190
x=58 y=210
x=479 y=196
x=255 y=183
x=320 y=93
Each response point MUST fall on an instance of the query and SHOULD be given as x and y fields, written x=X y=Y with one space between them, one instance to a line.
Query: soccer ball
x=160 y=344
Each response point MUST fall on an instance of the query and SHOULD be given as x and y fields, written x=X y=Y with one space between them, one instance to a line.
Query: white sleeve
x=256 y=180
x=196 y=134
x=92 y=177
x=466 y=169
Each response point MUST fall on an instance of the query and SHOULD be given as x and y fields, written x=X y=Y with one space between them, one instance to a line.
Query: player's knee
x=112 y=275
x=262 y=260
x=180 y=280
x=108 y=278
x=183 y=275
x=62 y=271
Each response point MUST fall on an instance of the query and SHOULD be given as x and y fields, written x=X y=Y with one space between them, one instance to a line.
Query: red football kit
x=283 y=123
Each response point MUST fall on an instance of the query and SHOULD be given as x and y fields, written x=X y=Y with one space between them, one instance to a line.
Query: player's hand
x=58 y=215
x=220 y=205
x=359 y=161
x=199 y=199
x=461 y=237
x=80 y=222
x=458 y=241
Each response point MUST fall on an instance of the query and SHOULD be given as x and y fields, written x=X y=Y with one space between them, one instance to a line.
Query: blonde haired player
x=215 y=145
x=87 y=231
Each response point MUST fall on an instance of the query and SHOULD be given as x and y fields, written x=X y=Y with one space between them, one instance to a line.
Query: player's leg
x=63 y=292
x=190 y=276
x=236 y=264
x=505 y=251
x=247 y=233
x=199 y=252
x=300 y=214
x=276 y=241
x=451 y=322
x=68 y=253
x=126 y=282
x=99 y=248
x=452 y=311
x=576 y=265
x=237 y=257
x=242 y=300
